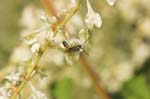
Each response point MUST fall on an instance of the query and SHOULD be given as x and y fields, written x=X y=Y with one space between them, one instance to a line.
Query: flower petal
x=35 y=47
x=92 y=18
x=111 y=2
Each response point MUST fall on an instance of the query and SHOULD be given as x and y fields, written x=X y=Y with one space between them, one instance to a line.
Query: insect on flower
x=74 y=48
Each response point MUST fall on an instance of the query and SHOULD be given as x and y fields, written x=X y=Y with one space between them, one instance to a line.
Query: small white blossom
x=3 y=93
x=53 y=19
x=30 y=38
x=15 y=78
x=36 y=93
x=44 y=19
x=49 y=35
x=74 y=2
x=35 y=47
x=92 y=18
x=32 y=41
x=111 y=2
x=20 y=54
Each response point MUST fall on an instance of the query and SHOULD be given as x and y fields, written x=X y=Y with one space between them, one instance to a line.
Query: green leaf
x=63 y=89
x=136 y=88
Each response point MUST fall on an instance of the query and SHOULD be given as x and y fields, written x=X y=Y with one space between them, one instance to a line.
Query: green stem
x=29 y=75
x=69 y=16
x=75 y=9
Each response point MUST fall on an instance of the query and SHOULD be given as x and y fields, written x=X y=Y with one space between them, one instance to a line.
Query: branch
x=48 y=5
x=29 y=75
x=94 y=77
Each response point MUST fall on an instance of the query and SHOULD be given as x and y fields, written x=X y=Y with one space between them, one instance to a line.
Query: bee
x=74 y=48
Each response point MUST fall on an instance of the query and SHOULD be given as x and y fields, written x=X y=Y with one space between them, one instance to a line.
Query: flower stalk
x=28 y=76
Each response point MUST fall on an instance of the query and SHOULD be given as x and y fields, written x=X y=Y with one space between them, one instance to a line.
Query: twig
x=94 y=77
x=29 y=75
x=48 y=5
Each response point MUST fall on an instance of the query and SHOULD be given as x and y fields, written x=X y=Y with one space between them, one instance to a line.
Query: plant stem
x=68 y=16
x=94 y=77
x=48 y=5
x=28 y=76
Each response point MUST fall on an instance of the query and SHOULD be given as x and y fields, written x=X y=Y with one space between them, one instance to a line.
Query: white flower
x=32 y=41
x=44 y=19
x=31 y=37
x=53 y=19
x=36 y=93
x=74 y=2
x=20 y=54
x=49 y=35
x=111 y=2
x=3 y=93
x=15 y=78
x=92 y=18
x=35 y=47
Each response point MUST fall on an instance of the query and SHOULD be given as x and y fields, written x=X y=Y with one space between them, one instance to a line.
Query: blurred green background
x=122 y=45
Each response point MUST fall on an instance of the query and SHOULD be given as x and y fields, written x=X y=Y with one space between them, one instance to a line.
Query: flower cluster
x=12 y=81
x=52 y=33
x=38 y=38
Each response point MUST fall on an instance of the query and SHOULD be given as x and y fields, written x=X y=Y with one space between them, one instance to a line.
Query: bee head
x=66 y=44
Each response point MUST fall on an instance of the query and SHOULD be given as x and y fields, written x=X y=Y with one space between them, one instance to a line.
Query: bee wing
x=72 y=57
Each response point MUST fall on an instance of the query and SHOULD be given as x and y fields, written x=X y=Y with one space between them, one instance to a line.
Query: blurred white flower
x=73 y=24
x=140 y=54
x=32 y=41
x=30 y=17
x=35 y=47
x=14 y=78
x=92 y=18
x=36 y=93
x=3 y=93
x=74 y=2
x=111 y=2
x=30 y=38
x=20 y=54
x=53 y=19
x=44 y=19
